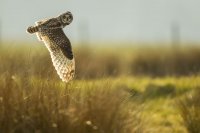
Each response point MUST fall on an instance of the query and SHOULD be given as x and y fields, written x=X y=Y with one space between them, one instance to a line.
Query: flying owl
x=50 y=31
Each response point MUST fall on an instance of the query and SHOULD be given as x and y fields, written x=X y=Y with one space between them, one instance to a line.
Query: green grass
x=122 y=104
x=189 y=108
x=105 y=95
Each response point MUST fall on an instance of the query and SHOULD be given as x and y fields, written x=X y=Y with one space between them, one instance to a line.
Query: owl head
x=65 y=18
x=50 y=24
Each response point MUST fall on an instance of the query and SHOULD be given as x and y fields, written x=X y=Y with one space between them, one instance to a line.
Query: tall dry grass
x=35 y=105
x=189 y=108
x=33 y=99
x=105 y=62
x=159 y=62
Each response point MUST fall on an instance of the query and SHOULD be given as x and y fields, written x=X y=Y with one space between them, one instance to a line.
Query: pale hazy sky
x=123 y=20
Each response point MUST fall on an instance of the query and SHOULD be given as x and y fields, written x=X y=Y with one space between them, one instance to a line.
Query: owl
x=50 y=31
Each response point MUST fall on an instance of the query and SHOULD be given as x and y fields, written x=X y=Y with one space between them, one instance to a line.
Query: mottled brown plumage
x=50 y=32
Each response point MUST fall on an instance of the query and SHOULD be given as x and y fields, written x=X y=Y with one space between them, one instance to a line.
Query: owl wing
x=37 y=23
x=64 y=44
x=60 y=50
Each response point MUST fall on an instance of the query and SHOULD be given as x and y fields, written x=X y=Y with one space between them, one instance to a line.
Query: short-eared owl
x=50 y=32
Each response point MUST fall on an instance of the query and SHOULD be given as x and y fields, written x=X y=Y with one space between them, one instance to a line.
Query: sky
x=106 y=20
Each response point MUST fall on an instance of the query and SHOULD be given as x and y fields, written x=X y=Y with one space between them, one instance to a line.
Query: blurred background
x=136 y=37
x=137 y=68
x=122 y=20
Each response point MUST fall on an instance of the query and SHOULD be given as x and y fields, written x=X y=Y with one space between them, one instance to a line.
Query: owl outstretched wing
x=64 y=43
x=60 y=50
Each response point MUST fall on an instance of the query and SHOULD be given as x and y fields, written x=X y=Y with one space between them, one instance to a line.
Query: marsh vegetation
x=140 y=90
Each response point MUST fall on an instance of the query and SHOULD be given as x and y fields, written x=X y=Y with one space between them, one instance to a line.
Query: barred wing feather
x=61 y=54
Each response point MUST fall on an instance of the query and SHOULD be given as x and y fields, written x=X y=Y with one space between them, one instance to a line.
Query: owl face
x=65 y=18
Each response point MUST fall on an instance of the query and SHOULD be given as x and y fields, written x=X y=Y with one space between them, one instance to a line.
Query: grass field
x=111 y=93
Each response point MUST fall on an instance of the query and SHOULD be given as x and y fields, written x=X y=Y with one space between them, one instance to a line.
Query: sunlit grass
x=33 y=105
x=189 y=109
x=35 y=101
x=105 y=96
